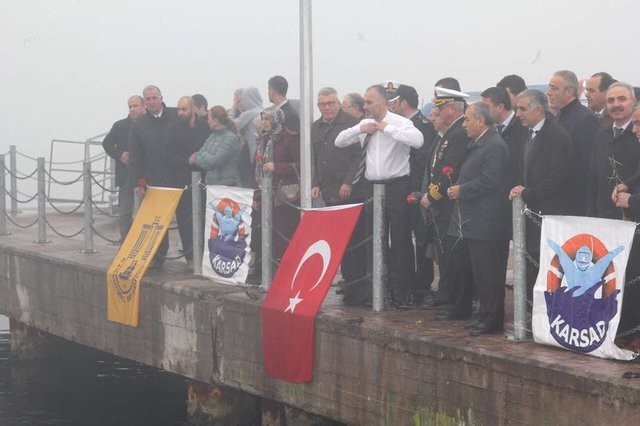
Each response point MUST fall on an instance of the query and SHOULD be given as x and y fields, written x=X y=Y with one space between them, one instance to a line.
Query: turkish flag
x=299 y=287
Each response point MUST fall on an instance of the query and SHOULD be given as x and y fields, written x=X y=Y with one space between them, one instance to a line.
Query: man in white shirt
x=387 y=139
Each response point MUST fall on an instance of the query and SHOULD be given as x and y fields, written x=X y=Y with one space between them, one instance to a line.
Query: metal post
x=88 y=208
x=3 y=198
x=13 y=168
x=306 y=102
x=198 y=214
x=113 y=195
x=519 y=271
x=267 y=224
x=379 y=264
x=42 y=206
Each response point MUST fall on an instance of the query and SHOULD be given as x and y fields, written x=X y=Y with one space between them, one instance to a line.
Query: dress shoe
x=450 y=316
x=482 y=328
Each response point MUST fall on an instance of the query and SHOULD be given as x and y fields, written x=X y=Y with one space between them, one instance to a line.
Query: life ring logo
x=227 y=238
x=581 y=292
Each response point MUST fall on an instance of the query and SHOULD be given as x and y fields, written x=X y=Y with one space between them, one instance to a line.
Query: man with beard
x=596 y=94
x=148 y=155
x=183 y=139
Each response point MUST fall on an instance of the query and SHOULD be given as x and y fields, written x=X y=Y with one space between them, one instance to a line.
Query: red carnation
x=447 y=171
x=414 y=198
x=259 y=157
x=142 y=182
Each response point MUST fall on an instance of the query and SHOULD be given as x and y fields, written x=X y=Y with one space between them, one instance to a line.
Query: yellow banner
x=136 y=253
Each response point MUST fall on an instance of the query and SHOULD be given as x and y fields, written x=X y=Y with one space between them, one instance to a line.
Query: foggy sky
x=68 y=66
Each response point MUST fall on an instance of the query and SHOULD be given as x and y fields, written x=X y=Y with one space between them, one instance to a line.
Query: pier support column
x=212 y=404
x=28 y=343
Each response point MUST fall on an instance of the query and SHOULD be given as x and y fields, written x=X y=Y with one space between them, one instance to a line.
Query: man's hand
x=516 y=192
x=381 y=125
x=621 y=187
x=139 y=191
x=345 y=191
x=124 y=158
x=268 y=167
x=453 y=192
x=622 y=199
x=315 y=191
x=425 y=201
x=369 y=128
x=192 y=158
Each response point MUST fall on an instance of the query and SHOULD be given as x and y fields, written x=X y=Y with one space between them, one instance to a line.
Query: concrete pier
x=391 y=368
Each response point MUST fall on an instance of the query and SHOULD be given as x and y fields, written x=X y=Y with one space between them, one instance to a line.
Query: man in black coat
x=407 y=106
x=148 y=159
x=546 y=179
x=334 y=172
x=277 y=91
x=481 y=204
x=184 y=138
x=116 y=145
x=449 y=151
x=596 y=92
x=581 y=124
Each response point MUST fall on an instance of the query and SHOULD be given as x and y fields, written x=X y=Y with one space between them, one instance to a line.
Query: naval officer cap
x=390 y=89
x=444 y=95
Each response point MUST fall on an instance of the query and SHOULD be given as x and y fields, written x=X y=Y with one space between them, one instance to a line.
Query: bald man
x=183 y=139
x=116 y=145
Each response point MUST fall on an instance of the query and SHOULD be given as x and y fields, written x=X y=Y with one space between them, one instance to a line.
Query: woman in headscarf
x=220 y=153
x=249 y=106
x=278 y=153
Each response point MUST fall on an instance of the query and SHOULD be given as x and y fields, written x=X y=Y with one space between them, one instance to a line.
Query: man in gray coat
x=481 y=219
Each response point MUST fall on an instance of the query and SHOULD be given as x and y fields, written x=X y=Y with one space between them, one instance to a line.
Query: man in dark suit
x=513 y=84
x=481 y=203
x=546 y=179
x=148 y=163
x=507 y=124
x=277 y=91
x=581 y=124
x=407 y=106
x=116 y=145
x=596 y=92
x=450 y=150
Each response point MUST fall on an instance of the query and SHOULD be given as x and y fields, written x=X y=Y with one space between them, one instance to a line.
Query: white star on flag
x=293 y=302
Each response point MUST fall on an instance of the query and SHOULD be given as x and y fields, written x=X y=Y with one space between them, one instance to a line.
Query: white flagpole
x=306 y=102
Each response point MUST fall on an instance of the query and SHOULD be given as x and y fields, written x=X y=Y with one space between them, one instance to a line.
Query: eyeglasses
x=325 y=104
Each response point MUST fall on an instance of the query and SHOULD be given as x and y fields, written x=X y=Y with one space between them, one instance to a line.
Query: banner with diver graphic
x=577 y=297
x=227 y=234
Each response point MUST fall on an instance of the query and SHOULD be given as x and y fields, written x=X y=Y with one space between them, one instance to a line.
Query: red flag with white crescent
x=299 y=287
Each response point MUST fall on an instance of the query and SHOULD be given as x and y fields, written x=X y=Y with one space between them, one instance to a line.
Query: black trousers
x=424 y=266
x=398 y=226
x=354 y=263
x=456 y=265
x=184 y=213
x=489 y=266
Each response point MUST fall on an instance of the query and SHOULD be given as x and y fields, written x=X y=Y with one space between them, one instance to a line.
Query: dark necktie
x=362 y=163
x=500 y=128
x=617 y=131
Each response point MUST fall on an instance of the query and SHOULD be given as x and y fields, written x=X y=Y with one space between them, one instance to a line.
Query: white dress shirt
x=387 y=151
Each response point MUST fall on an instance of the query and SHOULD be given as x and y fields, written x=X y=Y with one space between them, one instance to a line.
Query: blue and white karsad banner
x=578 y=295
x=227 y=234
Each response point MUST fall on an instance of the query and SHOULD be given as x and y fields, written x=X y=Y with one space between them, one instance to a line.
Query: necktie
x=500 y=128
x=362 y=163
x=617 y=131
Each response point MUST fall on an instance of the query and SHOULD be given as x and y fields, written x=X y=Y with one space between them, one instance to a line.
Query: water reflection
x=86 y=387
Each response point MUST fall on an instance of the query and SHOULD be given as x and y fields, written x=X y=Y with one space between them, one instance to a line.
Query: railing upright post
x=519 y=272
x=198 y=223
x=379 y=262
x=13 y=169
x=3 y=197
x=267 y=224
x=42 y=206
x=88 y=207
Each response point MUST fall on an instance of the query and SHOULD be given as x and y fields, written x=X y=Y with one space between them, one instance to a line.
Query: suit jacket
x=148 y=155
x=182 y=141
x=625 y=151
x=582 y=125
x=484 y=188
x=291 y=117
x=450 y=150
x=514 y=135
x=115 y=143
x=548 y=182
x=334 y=166
x=418 y=157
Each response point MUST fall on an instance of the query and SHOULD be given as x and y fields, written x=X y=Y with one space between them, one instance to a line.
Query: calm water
x=87 y=388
